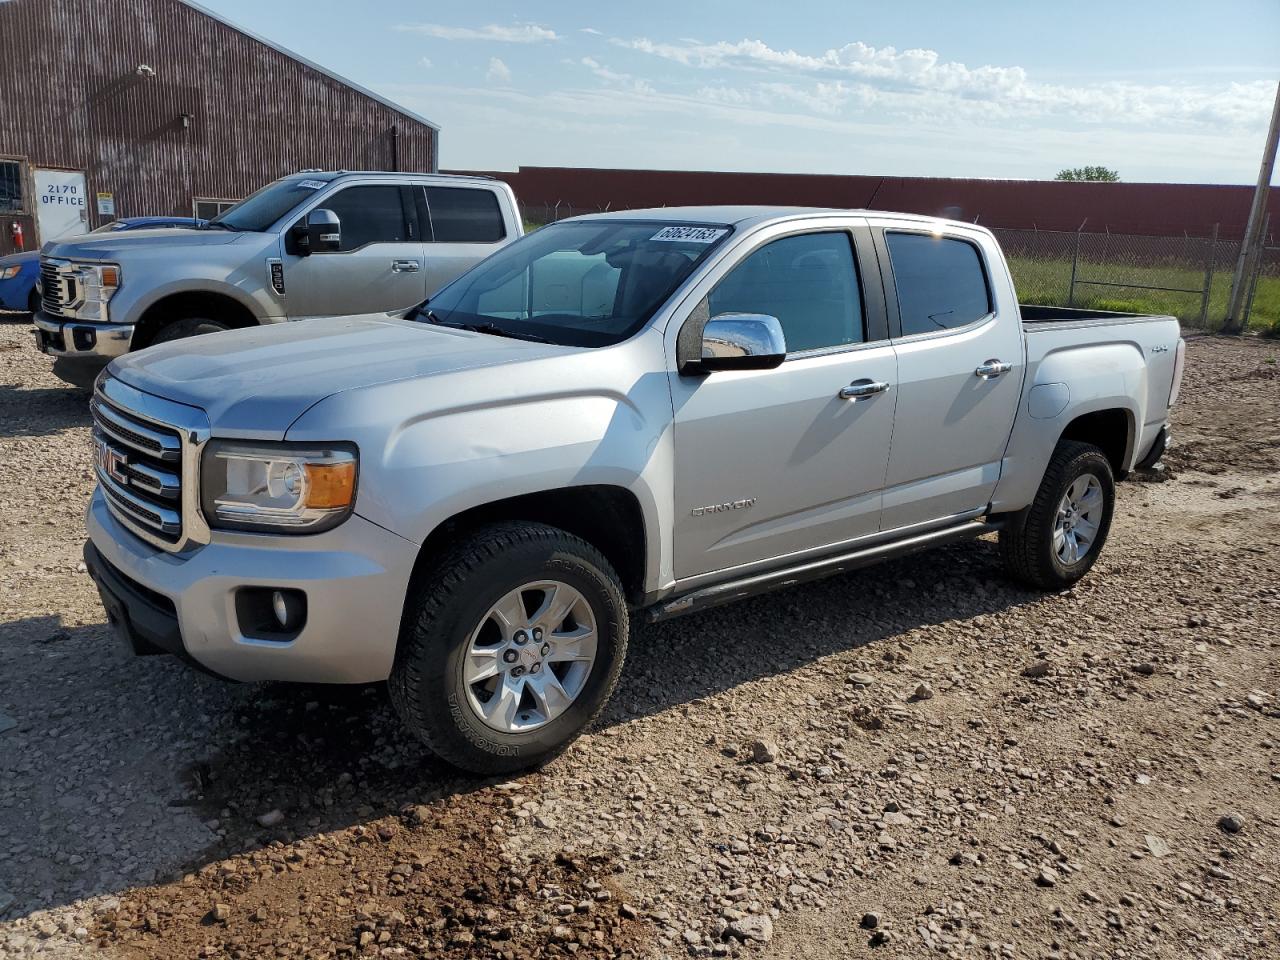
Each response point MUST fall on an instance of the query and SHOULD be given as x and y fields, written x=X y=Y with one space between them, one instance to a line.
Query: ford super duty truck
x=626 y=415
x=309 y=245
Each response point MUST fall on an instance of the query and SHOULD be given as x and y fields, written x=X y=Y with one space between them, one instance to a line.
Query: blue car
x=19 y=271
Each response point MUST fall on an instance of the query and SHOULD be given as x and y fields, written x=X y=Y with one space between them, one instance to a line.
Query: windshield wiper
x=210 y=224
x=490 y=328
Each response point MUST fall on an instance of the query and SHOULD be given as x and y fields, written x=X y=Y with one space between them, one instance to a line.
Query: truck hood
x=254 y=383
x=111 y=246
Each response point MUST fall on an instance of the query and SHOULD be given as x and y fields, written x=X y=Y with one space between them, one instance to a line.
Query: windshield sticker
x=310 y=184
x=690 y=234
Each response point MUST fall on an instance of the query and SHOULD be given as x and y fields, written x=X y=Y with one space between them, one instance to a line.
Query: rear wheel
x=1056 y=540
x=187 y=327
x=510 y=647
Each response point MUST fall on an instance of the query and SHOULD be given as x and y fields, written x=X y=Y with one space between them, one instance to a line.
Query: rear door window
x=369 y=214
x=940 y=282
x=464 y=215
x=808 y=282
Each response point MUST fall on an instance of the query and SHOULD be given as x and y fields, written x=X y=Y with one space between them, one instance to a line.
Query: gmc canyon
x=314 y=244
x=633 y=414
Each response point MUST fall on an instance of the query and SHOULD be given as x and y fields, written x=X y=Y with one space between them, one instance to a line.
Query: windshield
x=585 y=283
x=260 y=210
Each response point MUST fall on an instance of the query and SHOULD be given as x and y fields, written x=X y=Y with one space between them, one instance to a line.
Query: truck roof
x=753 y=214
x=328 y=175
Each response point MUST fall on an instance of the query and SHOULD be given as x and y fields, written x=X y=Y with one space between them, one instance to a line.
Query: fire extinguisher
x=18 y=240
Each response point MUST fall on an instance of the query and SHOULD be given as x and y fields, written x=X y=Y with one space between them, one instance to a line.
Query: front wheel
x=1055 y=541
x=187 y=327
x=510 y=647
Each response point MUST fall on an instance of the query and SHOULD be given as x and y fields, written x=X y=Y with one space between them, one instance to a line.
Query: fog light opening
x=270 y=613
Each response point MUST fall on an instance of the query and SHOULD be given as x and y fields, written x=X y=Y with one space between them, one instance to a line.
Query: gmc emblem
x=111 y=462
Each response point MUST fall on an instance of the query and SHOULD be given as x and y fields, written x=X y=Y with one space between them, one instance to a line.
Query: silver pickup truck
x=624 y=415
x=310 y=245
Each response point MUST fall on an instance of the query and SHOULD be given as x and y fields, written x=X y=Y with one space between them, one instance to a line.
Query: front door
x=960 y=363
x=378 y=267
x=770 y=463
x=61 y=207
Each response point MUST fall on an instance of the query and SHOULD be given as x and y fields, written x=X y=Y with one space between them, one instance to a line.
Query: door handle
x=405 y=266
x=991 y=369
x=861 y=389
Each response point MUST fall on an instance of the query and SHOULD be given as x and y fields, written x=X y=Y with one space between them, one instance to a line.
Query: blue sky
x=1161 y=91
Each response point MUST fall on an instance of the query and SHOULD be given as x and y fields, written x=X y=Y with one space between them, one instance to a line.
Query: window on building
x=371 y=214
x=808 y=282
x=206 y=208
x=464 y=215
x=11 y=187
x=940 y=282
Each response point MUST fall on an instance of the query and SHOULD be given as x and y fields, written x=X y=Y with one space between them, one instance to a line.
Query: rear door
x=464 y=225
x=776 y=463
x=379 y=266
x=957 y=332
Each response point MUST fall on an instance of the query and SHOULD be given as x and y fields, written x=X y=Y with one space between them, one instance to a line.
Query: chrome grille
x=139 y=467
x=57 y=287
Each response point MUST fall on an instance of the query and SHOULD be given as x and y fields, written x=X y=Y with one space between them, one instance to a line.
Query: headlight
x=8 y=273
x=277 y=487
x=98 y=283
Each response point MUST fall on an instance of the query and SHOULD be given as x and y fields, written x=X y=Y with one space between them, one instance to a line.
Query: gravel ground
x=918 y=758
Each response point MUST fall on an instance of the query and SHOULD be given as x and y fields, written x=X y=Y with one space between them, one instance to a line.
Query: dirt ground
x=916 y=759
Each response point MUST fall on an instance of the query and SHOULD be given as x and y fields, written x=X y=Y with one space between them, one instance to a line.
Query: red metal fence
x=1156 y=209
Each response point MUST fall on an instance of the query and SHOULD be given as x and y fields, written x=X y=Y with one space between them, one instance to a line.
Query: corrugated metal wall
x=70 y=96
x=1145 y=208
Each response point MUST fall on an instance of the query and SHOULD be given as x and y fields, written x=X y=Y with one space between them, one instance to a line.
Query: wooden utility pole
x=1251 y=245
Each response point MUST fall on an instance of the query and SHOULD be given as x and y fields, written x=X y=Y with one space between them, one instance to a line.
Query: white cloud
x=591 y=30
x=425 y=62
x=515 y=33
x=498 y=71
x=920 y=82
x=614 y=77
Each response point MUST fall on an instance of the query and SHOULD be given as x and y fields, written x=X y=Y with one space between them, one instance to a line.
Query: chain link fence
x=1186 y=277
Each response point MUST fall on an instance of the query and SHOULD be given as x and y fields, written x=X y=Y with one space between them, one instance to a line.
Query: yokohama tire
x=445 y=610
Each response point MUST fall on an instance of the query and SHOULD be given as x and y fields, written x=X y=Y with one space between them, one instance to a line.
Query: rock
x=1039 y=668
x=1146 y=669
x=220 y=913
x=861 y=679
x=271 y=818
x=764 y=751
x=870 y=920
x=1231 y=822
x=1157 y=846
x=922 y=692
x=7 y=723
x=880 y=938
x=627 y=911
x=757 y=928
x=1047 y=877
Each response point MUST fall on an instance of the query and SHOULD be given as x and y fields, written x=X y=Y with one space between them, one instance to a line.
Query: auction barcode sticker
x=690 y=234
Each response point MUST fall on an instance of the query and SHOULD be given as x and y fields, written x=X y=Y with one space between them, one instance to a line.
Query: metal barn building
x=117 y=108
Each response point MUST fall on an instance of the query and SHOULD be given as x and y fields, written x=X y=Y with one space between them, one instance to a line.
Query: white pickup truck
x=314 y=244
x=628 y=414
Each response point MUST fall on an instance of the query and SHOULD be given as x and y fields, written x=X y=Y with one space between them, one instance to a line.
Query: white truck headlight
x=277 y=487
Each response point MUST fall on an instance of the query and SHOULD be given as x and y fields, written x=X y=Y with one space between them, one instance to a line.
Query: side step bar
x=749 y=586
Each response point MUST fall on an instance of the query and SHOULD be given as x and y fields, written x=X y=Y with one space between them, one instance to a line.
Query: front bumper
x=77 y=339
x=354 y=577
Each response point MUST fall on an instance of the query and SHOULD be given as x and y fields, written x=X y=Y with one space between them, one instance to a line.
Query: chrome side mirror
x=742 y=341
x=324 y=230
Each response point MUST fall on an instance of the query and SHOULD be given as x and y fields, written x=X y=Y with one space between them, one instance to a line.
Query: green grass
x=1046 y=282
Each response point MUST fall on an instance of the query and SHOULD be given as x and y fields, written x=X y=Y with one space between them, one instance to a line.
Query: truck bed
x=1034 y=313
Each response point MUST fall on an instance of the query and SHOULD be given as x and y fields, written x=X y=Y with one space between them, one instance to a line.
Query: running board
x=749 y=586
